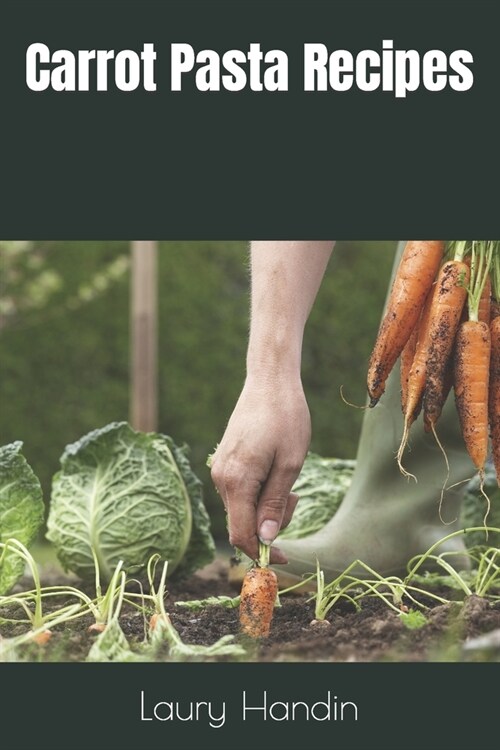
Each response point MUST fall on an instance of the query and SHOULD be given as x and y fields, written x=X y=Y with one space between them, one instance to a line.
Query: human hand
x=258 y=460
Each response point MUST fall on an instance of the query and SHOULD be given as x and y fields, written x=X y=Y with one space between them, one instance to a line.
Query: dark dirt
x=375 y=633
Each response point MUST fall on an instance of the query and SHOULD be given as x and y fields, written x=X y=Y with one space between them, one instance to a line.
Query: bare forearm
x=285 y=280
x=267 y=437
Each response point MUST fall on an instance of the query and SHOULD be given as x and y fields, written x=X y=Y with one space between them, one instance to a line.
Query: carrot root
x=43 y=638
x=258 y=596
x=443 y=489
x=488 y=501
x=349 y=403
x=96 y=627
x=399 y=456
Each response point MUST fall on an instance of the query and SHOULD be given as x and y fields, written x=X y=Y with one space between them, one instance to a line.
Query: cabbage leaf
x=323 y=483
x=127 y=495
x=321 y=487
x=112 y=646
x=21 y=509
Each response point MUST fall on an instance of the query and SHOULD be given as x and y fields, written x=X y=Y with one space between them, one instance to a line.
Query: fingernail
x=268 y=531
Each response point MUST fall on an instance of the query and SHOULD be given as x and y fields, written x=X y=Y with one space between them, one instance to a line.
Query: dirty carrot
x=472 y=366
x=407 y=357
x=444 y=391
x=447 y=307
x=416 y=272
x=494 y=393
x=416 y=378
x=258 y=597
x=43 y=637
x=472 y=361
x=449 y=374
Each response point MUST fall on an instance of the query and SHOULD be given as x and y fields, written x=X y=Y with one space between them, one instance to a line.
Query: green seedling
x=162 y=631
x=9 y=647
x=488 y=573
x=39 y=621
x=111 y=644
x=394 y=591
x=391 y=590
x=157 y=596
x=327 y=596
x=103 y=604
x=485 y=577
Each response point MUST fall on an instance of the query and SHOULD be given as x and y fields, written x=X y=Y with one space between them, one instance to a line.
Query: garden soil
x=375 y=633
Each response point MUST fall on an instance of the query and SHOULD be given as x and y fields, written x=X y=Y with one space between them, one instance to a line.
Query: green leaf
x=413 y=619
x=165 y=633
x=201 y=547
x=21 y=509
x=112 y=646
x=321 y=487
x=226 y=602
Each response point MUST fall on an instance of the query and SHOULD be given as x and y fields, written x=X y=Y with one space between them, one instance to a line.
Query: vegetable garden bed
x=374 y=633
x=126 y=509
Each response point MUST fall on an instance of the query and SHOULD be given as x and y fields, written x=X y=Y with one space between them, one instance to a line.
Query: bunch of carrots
x=443 y=320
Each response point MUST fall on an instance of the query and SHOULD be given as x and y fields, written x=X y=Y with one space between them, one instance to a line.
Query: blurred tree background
x=64 y=344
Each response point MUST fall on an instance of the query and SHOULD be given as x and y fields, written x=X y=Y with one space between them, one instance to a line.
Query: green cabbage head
x=127 y=495
x=21 y=510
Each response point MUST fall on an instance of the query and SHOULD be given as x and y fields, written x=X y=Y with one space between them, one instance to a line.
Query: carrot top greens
x=485 y=262
x=495 y=274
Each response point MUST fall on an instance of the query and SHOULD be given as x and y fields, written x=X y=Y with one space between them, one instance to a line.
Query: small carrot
x=258 y=597
x=96 y=627
x=43 y=637
x=156 y=618
x=448 y=304
x=472 y=367
x=416 y=272
x=153 y=621
x=494 y=394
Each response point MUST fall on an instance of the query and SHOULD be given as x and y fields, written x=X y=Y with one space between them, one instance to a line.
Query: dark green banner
x=227 y=706
x=196 y=119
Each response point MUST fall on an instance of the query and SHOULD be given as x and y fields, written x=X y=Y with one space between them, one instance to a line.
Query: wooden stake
x=144 y=336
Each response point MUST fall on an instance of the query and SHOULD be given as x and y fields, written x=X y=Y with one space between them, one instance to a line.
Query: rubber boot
x=385 y=519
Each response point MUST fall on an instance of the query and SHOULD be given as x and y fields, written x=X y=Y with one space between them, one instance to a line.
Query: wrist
x=267 y=372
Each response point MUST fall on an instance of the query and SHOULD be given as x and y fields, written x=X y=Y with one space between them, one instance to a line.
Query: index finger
x=240 y=497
